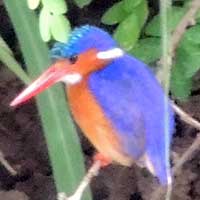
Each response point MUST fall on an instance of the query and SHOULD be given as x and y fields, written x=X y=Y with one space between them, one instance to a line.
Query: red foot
x=103 y=160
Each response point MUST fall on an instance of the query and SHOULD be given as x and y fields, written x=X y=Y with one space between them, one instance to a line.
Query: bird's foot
x=93 y=171
x=104 y=161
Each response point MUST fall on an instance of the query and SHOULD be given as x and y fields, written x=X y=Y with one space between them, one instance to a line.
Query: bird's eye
x=73 y=59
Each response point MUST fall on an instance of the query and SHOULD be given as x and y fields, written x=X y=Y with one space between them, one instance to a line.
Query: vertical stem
x=166 y=69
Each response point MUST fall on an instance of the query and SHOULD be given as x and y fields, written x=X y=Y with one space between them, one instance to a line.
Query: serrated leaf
x=180 y=85
x=193 y=34
x=33 y=4
x=60 y=27
x=175 y=14
x=148 y=50
x=129 y=5
x=82 y=3
x=44 y=24
x=55 y=6
x=114 y=14
x=127 y=33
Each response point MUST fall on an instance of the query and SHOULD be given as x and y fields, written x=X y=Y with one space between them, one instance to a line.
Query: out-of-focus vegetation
x=142 y=38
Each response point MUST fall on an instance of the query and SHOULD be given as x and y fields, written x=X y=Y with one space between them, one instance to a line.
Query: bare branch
x=187 y=20
x=93 y=171
x=187 y=155
x=7 y=166
x=186 y=117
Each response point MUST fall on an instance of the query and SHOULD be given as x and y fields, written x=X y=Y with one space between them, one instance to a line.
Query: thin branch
x=7 y=166
x=187 y=20
x=187 y=155
x=186 y=117
x=93 y=171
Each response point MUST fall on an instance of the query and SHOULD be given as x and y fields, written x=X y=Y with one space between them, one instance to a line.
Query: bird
x=114 y=98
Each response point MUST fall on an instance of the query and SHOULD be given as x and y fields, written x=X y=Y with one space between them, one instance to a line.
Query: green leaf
x=55 y=6
x=180 y=85
x=33 y=4
x=127 y=32
x=148 y=50
x=114 y=14
x=193 y=34
x=141 y=11
x=60 y=27
x=44 y=24
x=4 y=45
x=187 y=64
x=129 y=5
x=82 y=3
x=6 y=57
x=175 y=14
x=188 y=56
x=63 y=143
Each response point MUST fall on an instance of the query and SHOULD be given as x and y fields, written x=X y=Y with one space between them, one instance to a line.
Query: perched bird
x=114 y=98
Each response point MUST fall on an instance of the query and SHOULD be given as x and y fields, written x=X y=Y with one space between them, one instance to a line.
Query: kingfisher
x=114 y=98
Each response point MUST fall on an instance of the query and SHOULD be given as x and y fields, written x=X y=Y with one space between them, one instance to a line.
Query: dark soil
x=23 y=145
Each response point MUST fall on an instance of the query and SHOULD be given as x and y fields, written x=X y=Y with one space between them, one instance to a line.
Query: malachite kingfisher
x=114 y=98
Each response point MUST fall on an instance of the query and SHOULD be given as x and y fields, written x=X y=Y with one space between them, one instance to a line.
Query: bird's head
x=87 y=50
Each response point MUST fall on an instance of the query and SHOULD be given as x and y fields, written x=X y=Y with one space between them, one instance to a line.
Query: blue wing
x=133 y=101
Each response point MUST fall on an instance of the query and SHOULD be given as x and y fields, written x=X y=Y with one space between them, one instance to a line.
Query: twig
x=8 y=167
x=93 y=171
x=187 y=20
x=186 y=117
x=187 y=155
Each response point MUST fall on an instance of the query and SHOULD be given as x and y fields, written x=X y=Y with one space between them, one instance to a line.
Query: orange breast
x=89 y=116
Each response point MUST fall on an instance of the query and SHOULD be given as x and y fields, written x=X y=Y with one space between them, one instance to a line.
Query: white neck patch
x=71 y=78
x=110 y=54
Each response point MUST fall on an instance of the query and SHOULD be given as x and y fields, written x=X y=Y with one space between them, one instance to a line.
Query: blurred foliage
x=82 y=3
x=53 y=23
x=144 y=42
x=130 y=15
x=7 y=57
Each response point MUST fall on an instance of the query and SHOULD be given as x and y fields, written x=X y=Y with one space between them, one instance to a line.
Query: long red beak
x=51 y=76
x=65 y=71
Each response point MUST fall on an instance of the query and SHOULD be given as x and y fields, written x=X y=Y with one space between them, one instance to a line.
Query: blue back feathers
x=133 y=100
x=130 y=97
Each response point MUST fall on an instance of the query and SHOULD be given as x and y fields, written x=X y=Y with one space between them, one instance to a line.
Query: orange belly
x=89 y=116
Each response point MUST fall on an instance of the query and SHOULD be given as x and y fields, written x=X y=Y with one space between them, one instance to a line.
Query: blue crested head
x=82 y=39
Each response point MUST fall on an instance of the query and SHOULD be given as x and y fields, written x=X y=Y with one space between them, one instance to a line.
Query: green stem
x=166 y=71
x=8 y=59
x=62 y=140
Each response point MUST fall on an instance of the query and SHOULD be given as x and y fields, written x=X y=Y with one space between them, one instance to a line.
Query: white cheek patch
x=71 y=78
x=110 y=54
